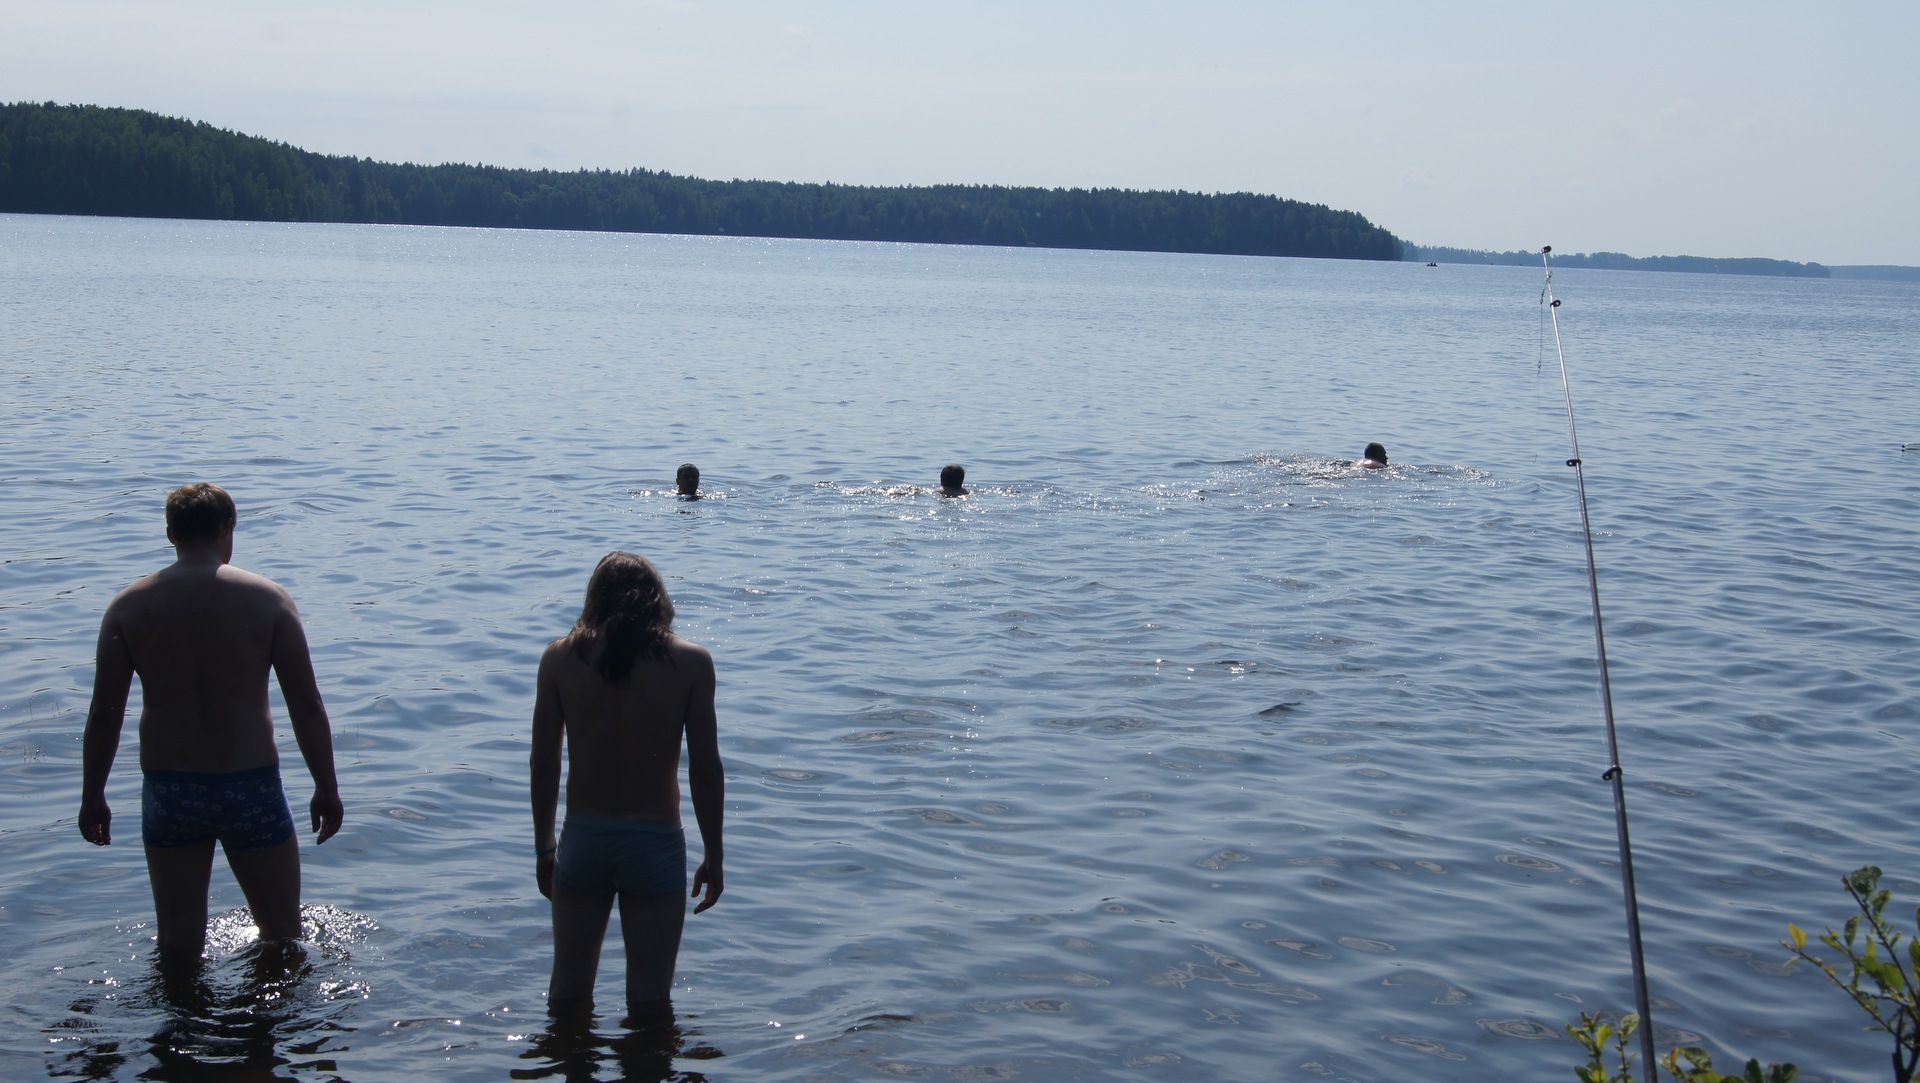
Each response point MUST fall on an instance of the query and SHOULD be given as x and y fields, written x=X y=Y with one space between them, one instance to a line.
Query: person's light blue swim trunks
x=605 y=855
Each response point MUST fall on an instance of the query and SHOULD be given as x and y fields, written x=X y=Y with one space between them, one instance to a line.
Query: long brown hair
x=627 y=612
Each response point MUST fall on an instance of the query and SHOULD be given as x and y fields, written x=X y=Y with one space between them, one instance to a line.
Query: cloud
x=1679 y=120
x=800 y=42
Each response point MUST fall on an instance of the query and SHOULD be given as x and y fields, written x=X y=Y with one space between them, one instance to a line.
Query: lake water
x=1181 y=749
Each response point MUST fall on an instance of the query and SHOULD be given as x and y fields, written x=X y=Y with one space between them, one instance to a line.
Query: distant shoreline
x=1617 y=261
x=94 y=160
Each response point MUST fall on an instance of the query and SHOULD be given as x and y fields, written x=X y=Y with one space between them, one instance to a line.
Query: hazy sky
x=1707 y=128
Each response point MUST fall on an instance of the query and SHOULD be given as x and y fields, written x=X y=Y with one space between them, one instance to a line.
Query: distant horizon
x=1565 y=250
x=1710 y=128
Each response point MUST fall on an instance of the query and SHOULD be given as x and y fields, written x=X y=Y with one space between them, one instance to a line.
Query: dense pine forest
x=83 y=159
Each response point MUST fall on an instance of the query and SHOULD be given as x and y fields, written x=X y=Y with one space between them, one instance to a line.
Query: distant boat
x=1431 y=264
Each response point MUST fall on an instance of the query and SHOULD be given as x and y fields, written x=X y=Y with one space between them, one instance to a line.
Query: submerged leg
x=179 y=876
x=650 y=927
x=579 y=925
x=270 y=879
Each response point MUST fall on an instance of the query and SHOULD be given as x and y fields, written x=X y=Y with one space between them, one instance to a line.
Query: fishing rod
x=1613 y=773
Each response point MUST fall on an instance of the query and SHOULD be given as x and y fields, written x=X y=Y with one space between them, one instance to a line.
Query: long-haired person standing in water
x=619 y=691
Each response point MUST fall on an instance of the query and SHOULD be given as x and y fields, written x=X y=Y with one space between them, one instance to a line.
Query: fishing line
x=1613 y=773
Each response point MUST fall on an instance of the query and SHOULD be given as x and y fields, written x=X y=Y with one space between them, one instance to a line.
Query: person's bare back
x=202 y=636
x=623 y=742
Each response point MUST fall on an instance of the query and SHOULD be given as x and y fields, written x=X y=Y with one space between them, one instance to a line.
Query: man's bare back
x=202 y=636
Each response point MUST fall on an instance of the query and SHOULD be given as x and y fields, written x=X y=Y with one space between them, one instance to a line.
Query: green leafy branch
x=1876 y=957
x=1594 y=1035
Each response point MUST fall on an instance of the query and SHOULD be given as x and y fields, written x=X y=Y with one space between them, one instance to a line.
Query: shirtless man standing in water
x=620 y=691
x=202 y=635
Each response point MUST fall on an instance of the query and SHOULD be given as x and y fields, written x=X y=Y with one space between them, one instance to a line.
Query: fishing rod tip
x=1545 y=248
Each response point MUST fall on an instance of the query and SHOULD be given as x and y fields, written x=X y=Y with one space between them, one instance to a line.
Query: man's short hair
x=952 y=476
x=198 y=512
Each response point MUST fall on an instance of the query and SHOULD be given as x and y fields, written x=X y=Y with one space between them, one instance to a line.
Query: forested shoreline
x=1619 y=261
x=95 y=160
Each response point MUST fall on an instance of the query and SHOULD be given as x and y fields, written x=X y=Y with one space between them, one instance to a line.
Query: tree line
x=1617 y=261
x=84 y=159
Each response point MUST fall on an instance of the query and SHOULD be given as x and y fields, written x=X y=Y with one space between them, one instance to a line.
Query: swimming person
x=202 y=635
x=953 y=480
x=619 y=691
x=687 y=478
x=1373 y=458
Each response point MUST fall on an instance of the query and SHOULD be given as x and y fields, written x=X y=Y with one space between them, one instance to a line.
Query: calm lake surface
x=1180 y=750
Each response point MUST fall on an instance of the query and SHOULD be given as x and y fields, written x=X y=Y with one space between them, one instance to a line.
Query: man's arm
x=293 y=666
x=707 y=779
x=543 y=766
x=112 y=680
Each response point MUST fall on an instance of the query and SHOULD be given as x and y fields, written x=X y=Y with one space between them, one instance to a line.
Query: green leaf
x=1864 y=879
x=1695 y=1055
x=1799 y=936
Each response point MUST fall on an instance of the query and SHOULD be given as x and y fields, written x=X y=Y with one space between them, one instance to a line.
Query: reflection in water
x=571 y=1049
x=265 y=1012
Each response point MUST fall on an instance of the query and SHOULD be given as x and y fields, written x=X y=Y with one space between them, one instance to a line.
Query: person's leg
x=650 y=927
x=270 y=879
x=179 y=876
x=579 y=925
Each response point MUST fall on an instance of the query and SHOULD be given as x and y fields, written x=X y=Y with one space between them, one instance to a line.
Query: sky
x=1709 y=128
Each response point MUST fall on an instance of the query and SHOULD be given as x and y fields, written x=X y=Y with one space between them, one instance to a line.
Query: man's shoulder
x=228 y=573
x=136 y=588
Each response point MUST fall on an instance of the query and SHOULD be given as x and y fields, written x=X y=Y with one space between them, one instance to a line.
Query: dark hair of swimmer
x=198 y=512
x=1376 y=453
x=628 y=611
x=688 y=479
x=952 y=476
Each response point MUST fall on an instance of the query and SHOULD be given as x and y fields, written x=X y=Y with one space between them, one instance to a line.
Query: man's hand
x=95 y=817
x=327 y=814
x=713 y=880
x=543 y=874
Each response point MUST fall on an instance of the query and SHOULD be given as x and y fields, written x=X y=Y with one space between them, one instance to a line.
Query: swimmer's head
x=688 y=479
x=953 y=478
x=197 y=513
x=627 y=610
x=1376 y=453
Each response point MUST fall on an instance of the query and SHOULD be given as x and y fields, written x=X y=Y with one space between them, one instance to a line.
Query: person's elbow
x=307 y=709
x=707 y=778
x=544 y=770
